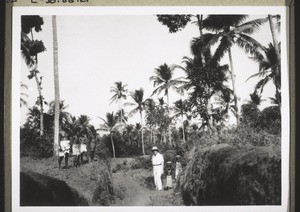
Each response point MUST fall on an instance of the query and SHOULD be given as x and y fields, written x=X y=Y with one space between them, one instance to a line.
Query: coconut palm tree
x=83 y=126
x=129 y=130
x=33 y=117
x=64 y=116
x=180 y=109
x=274 y=28
x=230 y=30
x=111 y=125
x=163 y=81
x=205 y=78
x=269 y=70
x=139 y=107
x=30 y=49
x=119 y=92
x=151 y=117
x=56 y=86
x=122 y=115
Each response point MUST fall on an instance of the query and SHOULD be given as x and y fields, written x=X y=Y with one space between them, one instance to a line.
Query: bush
x=104 y=193
x=142 y=162
x=122 y=148
x=250 y=114
x=102 y=151
x=35 y=146
x=270 y=120
x=245 y=135
x=225 y=175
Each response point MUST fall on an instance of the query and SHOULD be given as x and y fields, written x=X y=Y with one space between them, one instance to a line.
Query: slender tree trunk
x=38 y=83
x=143 y=148
x=275 y=38
x=112 y=145
x=200 y=18
x=209 y=113
x=276 y=46
x=233 y=87
x=120 y=108
x=41 y=102
x=56 y=86
x=183 y=133
x=169 y=127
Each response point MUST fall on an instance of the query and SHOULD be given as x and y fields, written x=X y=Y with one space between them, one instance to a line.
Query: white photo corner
x=150 y=106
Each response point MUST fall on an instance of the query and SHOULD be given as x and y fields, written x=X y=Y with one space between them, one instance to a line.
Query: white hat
x=154 y=148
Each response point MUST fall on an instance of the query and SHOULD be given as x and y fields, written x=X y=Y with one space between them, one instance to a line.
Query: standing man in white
x=158 y=167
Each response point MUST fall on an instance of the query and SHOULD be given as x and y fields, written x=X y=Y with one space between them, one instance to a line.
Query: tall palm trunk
x=183 y=133
x=56 y=86
x=208 y=106
x=120 y=108
x=209 y=113
x=143 y=148
x=112 y=145
x=169 y=127
x=233 y=86
x=274 y=36
x=276 y=46
x=41 y=102
x=200 y=18
x=151 y=134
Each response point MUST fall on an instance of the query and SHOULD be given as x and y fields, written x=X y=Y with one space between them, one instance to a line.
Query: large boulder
x=40 y=190
x=92 y=180
x=226 y=175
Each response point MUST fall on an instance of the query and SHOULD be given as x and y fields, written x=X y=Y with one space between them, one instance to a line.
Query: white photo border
x=149 y=10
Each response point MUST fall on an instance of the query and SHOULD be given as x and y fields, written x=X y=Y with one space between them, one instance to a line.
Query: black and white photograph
x=162 y=107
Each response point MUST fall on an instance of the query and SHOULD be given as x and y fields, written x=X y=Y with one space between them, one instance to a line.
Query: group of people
x=158 y=169
x=79 y=147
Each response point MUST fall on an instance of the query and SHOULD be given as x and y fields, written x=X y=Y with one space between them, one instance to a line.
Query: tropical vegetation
x=207 y=89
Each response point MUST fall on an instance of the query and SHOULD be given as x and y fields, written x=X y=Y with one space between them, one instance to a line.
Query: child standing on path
x=178 y=166
x=169 y=167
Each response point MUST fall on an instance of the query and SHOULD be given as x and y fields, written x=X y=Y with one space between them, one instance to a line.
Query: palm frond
x=223 y=48
x=259 y=74
x=250 y=26
x=260 y=85
x=249 y=44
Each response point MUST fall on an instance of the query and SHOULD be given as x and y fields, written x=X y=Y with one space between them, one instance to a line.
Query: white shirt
x=157 y=159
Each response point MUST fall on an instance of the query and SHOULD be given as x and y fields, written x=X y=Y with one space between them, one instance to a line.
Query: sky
x=96 y=51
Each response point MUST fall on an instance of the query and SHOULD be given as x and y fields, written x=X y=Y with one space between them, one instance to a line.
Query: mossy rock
x=225 y=175
x=40 y=190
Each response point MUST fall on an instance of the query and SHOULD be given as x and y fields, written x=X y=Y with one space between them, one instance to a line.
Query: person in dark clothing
x=92 y=148
x=75 y=151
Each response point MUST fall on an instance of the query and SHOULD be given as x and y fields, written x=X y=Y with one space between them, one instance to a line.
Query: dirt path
x=132 y=190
